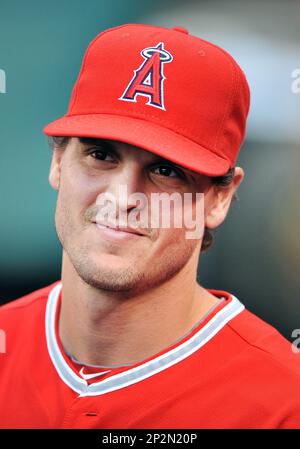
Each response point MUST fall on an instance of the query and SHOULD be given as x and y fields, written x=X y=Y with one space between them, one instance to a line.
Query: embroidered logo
x=148 y=79
x=91 y=376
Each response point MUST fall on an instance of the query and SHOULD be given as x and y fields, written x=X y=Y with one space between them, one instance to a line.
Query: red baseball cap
x=163 y=90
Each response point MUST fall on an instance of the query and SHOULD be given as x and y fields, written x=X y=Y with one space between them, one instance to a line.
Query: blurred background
x=256 y=255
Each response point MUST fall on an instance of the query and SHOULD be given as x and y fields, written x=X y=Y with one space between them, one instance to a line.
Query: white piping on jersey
x=142 y=371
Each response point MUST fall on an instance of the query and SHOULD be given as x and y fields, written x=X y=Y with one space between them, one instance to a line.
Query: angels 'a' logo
x=148 y=79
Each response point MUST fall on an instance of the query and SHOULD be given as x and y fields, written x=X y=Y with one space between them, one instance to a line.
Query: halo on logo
x=164 y=54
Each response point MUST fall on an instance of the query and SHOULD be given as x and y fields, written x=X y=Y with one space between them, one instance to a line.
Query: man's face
x=110 y=259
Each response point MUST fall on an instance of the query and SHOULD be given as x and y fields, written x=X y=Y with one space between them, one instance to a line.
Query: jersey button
x=181 y=30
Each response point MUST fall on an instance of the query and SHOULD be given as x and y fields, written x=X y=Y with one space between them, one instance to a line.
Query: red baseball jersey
x=232 y=370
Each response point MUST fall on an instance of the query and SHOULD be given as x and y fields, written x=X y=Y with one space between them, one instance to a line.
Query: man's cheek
x=65 y=211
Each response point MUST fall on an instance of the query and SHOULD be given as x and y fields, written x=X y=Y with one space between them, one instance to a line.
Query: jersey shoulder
x=265 y=343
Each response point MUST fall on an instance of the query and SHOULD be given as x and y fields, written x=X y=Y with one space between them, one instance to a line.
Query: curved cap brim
x=144 y=134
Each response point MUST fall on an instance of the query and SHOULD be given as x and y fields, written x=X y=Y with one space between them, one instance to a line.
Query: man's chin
x=109 y=273
x=112 y=263
x=111 y=282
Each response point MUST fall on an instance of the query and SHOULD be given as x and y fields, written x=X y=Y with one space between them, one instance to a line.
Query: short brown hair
x=219 y=181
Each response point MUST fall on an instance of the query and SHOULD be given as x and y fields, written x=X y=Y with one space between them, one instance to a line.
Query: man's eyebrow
x=100 y=142
x=95 y=141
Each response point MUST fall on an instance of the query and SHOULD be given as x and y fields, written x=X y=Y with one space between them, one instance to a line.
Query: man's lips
x=119 y=229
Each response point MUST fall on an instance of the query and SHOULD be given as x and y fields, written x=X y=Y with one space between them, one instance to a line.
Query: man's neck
x=102 y=328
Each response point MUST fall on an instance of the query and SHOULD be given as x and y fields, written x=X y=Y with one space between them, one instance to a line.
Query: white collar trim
x=142 y=371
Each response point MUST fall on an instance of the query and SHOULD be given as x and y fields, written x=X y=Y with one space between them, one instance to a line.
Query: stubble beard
x=135 y=278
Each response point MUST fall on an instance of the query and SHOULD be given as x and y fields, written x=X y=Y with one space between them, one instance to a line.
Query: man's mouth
x=112 y=231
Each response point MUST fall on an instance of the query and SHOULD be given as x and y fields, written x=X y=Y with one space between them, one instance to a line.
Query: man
x=128 y=338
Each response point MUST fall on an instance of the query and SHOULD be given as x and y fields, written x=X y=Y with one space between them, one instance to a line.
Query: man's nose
x=125 y=184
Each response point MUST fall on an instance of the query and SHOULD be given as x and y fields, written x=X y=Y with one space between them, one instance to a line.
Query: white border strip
x=143 y=371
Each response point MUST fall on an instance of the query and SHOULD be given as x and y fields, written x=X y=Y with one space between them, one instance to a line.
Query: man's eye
x=101 y=155
x=167 y=171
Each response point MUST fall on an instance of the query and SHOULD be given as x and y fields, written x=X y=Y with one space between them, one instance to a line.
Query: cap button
x=181 y=30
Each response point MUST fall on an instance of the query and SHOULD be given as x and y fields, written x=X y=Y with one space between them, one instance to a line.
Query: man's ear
x=55 y=168
x=219 y=200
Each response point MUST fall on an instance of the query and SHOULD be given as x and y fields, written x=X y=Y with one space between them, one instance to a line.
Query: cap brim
x=141 y=133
